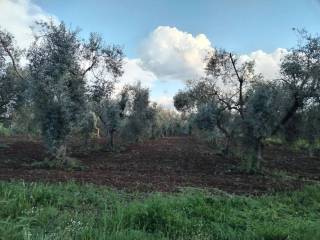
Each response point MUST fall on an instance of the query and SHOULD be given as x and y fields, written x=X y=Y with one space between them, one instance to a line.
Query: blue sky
x=165 y=40
x=238 y=25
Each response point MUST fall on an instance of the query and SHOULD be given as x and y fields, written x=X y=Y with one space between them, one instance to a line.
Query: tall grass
x=72 y=211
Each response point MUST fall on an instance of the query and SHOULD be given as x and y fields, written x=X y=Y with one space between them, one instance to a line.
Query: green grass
x=72 y=211
x=5 y=131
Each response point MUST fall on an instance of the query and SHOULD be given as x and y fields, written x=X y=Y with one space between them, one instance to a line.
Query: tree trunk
x=189 y=130
x=153 y=135
x=311 y=153
x=226 y=150
x=288 y=115
x=98 y=132
x=60 y=154
x=259 y=155
x=112 y=138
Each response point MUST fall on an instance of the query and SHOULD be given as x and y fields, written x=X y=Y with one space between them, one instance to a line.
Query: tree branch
x=6 y=49
x=288 y=115
x=240 y=79
x=94 y=61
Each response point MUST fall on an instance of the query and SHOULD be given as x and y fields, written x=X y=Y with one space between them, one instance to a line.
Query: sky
x=166 y=41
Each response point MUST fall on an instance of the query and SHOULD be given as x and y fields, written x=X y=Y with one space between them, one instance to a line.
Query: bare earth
x=163 y=165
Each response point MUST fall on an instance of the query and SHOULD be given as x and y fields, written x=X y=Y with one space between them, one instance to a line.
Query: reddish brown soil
x=163 y=165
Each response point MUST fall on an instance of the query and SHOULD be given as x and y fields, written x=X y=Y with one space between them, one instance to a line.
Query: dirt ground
x=163 y=165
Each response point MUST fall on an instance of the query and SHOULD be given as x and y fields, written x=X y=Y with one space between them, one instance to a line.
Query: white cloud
x=268 y=64
x=164 y=102
x=135 y=72
x=17 y=16
x=171 y=53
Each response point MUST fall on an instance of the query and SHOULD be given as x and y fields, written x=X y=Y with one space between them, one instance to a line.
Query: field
x=180 y=124
x=163 y=165
x=169 y=188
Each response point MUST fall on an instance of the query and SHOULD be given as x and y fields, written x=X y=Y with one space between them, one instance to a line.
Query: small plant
x=301 y=144
x=274 y=141
x=249 y=163
x=4 y=131
x=282 y=175
x=68 y=164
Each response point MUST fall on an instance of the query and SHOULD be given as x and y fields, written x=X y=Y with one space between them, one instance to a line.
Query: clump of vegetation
x=71 y=211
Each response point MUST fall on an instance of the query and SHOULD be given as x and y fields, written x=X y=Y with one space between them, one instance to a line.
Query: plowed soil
x=163 y=165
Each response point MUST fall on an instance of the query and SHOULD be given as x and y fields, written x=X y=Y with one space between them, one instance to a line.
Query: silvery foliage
x=140 y=115
x=11 y=85
x=59 y=62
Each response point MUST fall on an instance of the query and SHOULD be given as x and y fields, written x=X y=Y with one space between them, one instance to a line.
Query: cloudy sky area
x=166 y=41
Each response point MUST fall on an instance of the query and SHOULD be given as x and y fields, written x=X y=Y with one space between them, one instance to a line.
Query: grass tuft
x=74 y=211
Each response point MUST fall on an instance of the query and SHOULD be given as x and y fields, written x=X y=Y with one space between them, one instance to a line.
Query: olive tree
x=12 y=84
x=140 y=115
x=270 y=106
x=110 y=117
x=254 y=108
x=219 y=97
x=59 y=63
x=101 y=93
x=300 y=75
x=266 y=103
